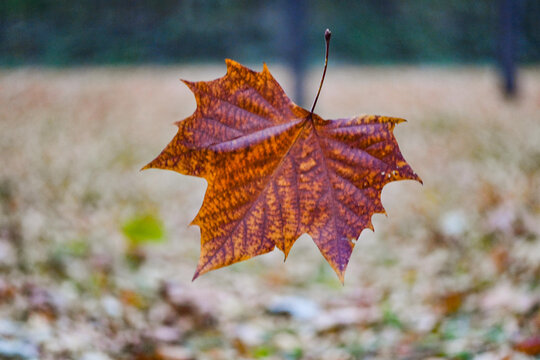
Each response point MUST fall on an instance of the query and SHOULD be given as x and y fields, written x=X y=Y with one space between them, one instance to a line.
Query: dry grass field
x=453 y=271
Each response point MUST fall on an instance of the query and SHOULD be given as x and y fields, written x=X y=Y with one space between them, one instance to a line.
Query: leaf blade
x=276 y=171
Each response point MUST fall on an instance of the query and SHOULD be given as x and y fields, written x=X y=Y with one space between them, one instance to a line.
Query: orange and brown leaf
x=275 y=171
x=529 y=346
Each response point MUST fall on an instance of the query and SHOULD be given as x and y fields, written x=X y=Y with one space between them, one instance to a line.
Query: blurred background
x=96 y=258
x=87 y=32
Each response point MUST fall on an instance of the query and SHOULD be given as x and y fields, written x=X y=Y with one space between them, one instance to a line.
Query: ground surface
x=452 y=272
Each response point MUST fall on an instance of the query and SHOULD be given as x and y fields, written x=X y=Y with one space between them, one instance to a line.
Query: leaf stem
x=327 y=35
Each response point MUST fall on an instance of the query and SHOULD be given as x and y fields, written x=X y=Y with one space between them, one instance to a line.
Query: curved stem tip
x=327 y=35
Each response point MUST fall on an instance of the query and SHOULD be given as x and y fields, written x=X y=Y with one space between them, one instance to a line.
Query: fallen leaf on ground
x=529 y=346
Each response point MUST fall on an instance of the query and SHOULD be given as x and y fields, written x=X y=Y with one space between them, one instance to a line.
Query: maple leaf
x=276 y=171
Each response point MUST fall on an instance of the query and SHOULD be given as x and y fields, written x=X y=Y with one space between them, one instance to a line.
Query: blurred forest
x=170 y=31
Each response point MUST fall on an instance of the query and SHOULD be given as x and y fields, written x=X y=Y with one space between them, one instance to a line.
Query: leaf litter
x=414 y=289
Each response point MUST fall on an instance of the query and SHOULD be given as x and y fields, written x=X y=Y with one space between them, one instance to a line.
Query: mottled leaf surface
x=275 y=171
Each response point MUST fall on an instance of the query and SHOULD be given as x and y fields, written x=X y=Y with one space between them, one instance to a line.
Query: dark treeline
x=72 y=32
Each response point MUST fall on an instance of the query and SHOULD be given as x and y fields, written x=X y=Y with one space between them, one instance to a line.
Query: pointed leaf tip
x=147 y=166
x=231 y=65
x=341 y=277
